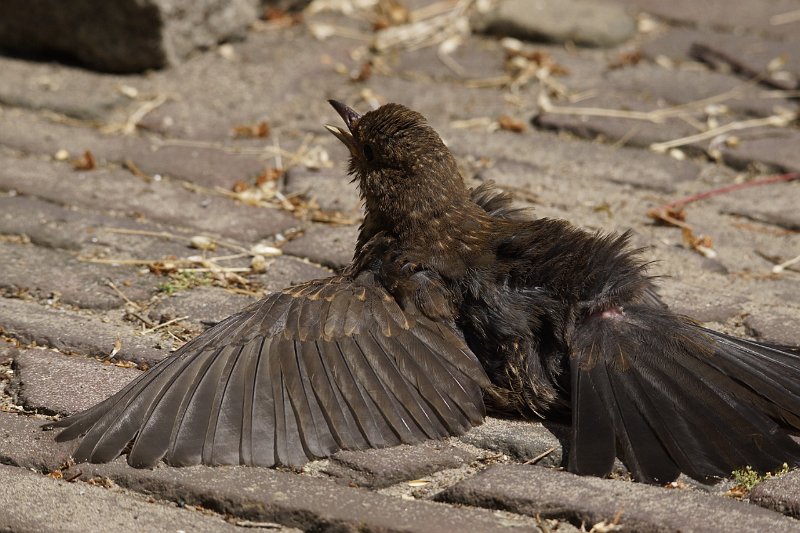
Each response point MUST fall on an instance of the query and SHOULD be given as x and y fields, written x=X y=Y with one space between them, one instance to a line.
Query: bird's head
x=403 y=168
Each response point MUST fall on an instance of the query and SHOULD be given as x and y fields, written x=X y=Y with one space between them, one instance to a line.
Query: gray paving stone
x=675 y=45
x=287 y=270
x=627 y=131
x=541 y=160
x=520 y=440
x=283 y=77
x=206 y=165
x=745 y=55
x=24 y=444
x=51 y=382
x=380 y=468
x=778 y=150
x=754 y=15
x=72 y=332
x=780 y=494
x=48 y=273
x=687 y=85
x=44 y=223
x=51 y=225
x=751 y=56
x=584 y=23
x=778 y=326
x=128 y=37
x=694 y=300
x=328 y=245
x=33 y=502
x=165 y=201
x=70 y=91
x=294 y=500
x=476 y=58
x=329 y=188
x=550 y=493
x=200 y=304
x=774 y=204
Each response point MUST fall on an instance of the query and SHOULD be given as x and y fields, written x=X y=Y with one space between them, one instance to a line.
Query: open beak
x=350 y=118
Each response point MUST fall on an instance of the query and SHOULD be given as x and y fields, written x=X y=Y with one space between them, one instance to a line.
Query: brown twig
x=672 y=212
x=122 y=295
x=540 y=457
x=167 y=323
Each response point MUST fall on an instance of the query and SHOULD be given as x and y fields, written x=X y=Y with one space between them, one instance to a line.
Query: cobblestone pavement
x=135 y=209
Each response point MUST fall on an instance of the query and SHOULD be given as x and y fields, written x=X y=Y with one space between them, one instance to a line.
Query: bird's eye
x=369 y=155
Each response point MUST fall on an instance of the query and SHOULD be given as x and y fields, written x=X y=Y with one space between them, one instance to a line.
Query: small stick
x=167 y=323
x=539 y=457
x=777 y=269
x=216 y=269
x=143 y=319
x=136 y=117
x=122 y=295
x=789 y=176
x=773 y=120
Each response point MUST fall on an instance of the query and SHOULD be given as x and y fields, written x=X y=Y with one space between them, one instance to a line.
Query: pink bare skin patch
x=612 y=313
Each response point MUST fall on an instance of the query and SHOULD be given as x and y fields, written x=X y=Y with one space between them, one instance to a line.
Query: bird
x=456 y=302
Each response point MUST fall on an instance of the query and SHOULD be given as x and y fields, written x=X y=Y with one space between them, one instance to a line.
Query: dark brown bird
x=453 y=297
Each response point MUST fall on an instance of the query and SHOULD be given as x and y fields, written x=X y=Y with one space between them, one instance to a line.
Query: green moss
x=182 y=280
x=748 y=478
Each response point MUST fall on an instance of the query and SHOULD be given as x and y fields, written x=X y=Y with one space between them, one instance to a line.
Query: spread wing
x=668 y=396
x=327 y=365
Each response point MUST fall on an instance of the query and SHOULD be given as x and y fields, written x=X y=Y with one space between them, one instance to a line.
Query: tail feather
x=675 y=397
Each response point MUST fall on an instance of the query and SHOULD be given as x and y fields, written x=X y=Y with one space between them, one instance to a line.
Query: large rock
x=122 y=36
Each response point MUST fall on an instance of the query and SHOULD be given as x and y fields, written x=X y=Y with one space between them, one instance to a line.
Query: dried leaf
x=251 y=131
x=364 y=73
x=539 y=58
x=85 y=162
x=162 y=268
x=669 y=216
x=117 y=348
x=738 y=492
x=701 y=244
x=626 y=59
x=239 y=186
x=269 y=175
x=510 y=124
x=391 y=13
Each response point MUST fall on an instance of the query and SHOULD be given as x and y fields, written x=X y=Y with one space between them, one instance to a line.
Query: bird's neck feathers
x=434 y=219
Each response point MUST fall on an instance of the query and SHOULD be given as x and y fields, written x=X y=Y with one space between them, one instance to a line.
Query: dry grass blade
x=780 y=120
x=425 y=32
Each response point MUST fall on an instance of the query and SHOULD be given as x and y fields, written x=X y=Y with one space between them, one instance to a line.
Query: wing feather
x=327 y=365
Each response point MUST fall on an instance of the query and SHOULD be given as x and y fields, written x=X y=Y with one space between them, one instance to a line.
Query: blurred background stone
x=121 y=36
